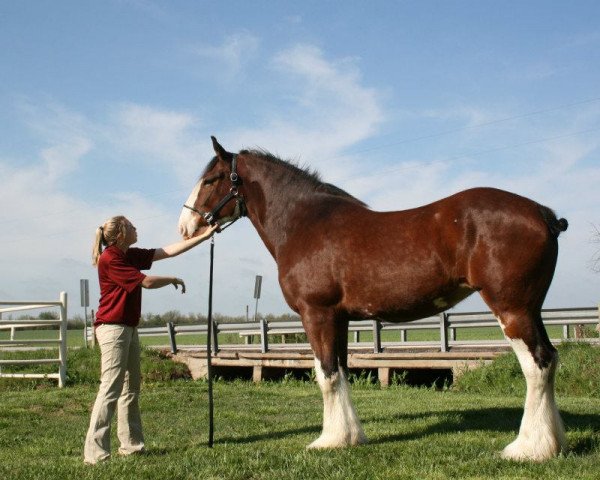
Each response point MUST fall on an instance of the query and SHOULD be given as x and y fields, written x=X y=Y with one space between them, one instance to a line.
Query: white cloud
x=328 y=109
x=66 y=136
x=158 y=136
x=236 y=50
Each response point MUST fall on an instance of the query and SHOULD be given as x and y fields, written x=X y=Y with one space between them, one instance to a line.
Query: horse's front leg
x=341 y=426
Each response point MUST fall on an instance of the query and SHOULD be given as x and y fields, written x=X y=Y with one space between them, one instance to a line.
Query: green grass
x=83 y=367
x=261 y=430
x=578 y=374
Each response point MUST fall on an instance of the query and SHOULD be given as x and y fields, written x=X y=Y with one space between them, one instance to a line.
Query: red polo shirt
x=121 y=284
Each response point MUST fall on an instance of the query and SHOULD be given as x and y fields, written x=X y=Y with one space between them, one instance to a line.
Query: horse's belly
x=404 y=306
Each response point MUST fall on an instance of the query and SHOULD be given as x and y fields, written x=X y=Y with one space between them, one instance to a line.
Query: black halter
x=240 y=205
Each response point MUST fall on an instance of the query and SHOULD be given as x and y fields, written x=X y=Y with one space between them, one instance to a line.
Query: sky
x=107 y=108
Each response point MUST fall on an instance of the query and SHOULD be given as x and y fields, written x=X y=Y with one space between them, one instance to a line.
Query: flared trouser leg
x=129 y=426
x=114 y=342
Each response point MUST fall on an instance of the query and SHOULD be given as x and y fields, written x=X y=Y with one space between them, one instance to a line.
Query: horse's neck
x=271 y=202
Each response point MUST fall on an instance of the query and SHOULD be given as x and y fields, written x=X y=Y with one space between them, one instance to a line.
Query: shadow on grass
x=159 y=451
x=454 y=421
x=316 y=429
x=491 y=419
x=591 y=440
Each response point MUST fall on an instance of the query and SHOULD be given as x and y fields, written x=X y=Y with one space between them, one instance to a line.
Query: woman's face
x=130 y=234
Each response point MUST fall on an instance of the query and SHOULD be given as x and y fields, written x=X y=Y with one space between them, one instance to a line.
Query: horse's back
x=416 y=262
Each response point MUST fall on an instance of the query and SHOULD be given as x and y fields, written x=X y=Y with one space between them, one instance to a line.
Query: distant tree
x=48 y=316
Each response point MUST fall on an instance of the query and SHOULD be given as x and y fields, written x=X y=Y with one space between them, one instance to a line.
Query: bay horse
x=338 y=260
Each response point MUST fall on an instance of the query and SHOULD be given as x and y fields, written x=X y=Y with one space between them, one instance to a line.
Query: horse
x=339 y=260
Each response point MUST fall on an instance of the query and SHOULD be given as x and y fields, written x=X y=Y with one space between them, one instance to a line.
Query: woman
x=118 y=315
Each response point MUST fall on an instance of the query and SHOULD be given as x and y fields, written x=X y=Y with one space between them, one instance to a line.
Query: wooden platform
x=457 y=360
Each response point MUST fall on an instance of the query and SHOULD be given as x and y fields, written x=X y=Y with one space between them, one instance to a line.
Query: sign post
x=257 y=286
x=84 y=288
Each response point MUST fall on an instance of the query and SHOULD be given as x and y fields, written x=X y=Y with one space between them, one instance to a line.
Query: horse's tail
x=556 y=225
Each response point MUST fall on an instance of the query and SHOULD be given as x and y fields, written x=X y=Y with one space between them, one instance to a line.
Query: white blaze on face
x=188 y=220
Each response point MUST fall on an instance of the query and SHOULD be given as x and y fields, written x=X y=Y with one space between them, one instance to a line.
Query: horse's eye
x=212 y=179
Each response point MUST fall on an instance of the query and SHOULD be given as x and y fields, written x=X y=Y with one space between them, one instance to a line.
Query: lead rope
x=209 y=334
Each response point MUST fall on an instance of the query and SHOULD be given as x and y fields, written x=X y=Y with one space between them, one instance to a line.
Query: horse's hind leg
x=341 y=426
x=541 y=435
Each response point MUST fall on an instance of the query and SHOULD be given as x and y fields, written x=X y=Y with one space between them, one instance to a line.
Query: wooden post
x=171 y=330
x=444 y=332
x=92 y=320
x=384 y=376
x=257 y=373
x=215 y=337
x=264 y=339
x=62 y=352
x=376 y=336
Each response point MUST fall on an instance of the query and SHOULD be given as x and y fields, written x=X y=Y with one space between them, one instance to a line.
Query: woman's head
x=115 y=231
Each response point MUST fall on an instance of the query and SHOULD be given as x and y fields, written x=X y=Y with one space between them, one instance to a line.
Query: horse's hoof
x=324 y=442
x=330 y=442
x=528 y=452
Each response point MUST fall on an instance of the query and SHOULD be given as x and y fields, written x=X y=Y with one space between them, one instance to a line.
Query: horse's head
x=215 y=198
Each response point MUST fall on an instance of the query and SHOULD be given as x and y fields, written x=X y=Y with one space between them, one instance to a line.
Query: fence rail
x=61 y=341
x=447 y=323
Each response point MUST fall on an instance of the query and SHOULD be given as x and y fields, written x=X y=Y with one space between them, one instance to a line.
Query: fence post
x=62 y=352
x=92 y=320
x=171 y=330
x=565 y=331
x=444 y=332
x=376 y=336
x=403 y=335
x=264 y=340
x=215 y=337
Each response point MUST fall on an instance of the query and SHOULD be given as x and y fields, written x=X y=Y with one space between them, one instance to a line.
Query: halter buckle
x=209 y=218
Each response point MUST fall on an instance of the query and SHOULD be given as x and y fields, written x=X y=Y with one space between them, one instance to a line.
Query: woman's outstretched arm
x=152 y=281
x=183 y=246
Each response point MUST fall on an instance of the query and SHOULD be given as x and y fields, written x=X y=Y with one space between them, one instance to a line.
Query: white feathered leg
x=341 y=426
x=542 y=434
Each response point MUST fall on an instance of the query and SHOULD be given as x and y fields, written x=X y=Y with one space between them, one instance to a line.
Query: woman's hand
x=183 y=246
x=179 y=281
x=152 y=281
x=210 y=231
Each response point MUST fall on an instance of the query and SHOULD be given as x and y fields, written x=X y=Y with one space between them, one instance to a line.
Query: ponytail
x=107 y=235
x=98 y=243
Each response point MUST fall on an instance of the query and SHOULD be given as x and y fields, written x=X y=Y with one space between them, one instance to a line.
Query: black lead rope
x=209 y=349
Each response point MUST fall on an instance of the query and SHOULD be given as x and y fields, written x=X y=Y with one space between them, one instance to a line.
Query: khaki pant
x=119 y=388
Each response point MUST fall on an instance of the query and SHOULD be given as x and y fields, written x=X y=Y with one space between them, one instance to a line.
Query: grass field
x=261 y=430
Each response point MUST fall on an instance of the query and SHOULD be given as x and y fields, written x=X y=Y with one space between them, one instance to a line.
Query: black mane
x=310 y=177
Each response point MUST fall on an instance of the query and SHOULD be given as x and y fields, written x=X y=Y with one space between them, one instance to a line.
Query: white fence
x=448 y=324
x=12 y=343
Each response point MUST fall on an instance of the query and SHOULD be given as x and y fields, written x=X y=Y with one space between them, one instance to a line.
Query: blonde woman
x=117 y=318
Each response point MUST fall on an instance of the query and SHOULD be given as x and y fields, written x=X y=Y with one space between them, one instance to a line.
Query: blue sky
x=108 y=108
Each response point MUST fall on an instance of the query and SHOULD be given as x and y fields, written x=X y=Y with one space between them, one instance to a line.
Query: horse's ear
x=222 y=154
